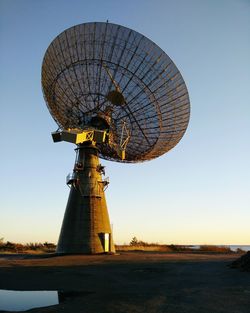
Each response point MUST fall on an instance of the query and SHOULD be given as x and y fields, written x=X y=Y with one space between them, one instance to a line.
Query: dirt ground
x=132 y=282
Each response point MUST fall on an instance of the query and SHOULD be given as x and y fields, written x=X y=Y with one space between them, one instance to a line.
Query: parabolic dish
x=103 y=68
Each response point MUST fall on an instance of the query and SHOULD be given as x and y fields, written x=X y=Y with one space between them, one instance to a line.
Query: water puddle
x=12 y=300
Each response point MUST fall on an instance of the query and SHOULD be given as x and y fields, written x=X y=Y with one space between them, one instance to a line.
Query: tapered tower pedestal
x=86 y=227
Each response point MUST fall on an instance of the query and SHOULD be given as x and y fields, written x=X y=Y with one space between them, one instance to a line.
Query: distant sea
x=235 y=247
x=232 y=247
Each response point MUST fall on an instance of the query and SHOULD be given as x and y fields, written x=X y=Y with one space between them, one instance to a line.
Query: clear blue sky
x=196 y=193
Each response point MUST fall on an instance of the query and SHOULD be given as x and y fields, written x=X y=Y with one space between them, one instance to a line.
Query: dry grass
x=135 y=245
x=159 y=248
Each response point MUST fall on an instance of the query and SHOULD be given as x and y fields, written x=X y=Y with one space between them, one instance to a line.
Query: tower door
x=106 y=242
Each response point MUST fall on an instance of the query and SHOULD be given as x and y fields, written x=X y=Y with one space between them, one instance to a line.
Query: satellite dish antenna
x=116 y=95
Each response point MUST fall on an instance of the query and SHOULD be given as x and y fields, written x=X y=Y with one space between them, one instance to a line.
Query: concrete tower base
x=86 y=227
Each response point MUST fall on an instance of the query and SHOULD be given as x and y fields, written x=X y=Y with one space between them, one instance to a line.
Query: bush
x=29 y=247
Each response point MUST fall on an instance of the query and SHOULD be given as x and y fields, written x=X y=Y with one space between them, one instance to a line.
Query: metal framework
x=103 y=68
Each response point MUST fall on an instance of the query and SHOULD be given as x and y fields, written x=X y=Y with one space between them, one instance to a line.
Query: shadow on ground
x=189 y=286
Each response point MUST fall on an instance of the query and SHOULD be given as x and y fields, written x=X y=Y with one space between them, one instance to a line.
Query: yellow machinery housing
x=77 y=137
x=80 y=136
